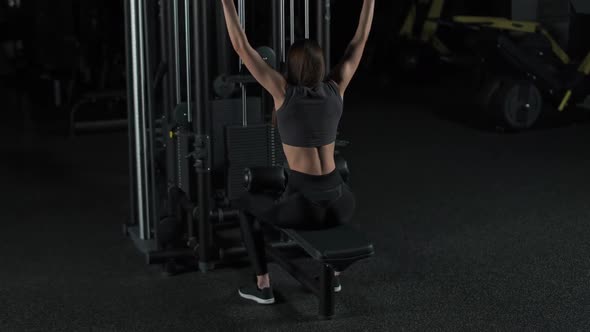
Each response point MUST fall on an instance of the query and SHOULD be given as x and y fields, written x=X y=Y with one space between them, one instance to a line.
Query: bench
x=334 y=248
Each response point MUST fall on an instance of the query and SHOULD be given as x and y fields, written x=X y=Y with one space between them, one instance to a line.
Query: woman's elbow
x=361 y=37
x=239 y=44
x=239 y=49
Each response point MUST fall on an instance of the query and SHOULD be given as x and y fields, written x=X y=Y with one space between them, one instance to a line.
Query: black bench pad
x=340 y=243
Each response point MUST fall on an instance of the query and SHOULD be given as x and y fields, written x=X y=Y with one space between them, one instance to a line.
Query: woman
x=308 y=110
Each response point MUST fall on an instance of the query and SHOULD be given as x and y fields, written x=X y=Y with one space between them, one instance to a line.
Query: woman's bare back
x=313 y=161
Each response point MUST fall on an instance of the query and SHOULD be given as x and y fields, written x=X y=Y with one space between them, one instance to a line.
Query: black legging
x=309 y=202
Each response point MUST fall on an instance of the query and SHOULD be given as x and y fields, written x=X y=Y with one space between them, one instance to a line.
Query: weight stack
x=227 y=112
x=252 y=146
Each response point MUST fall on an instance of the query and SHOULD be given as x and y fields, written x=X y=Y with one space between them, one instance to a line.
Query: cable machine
x=192 y=134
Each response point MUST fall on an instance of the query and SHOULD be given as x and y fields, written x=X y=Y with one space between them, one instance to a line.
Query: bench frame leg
x=322 y=289
x=326 y=292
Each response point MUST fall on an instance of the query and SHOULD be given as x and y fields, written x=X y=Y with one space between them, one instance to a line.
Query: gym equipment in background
x=72 y=63
x=524 y=67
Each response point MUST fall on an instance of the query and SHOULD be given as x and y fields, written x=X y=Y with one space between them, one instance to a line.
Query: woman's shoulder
x=333 y=87
x=330 y=83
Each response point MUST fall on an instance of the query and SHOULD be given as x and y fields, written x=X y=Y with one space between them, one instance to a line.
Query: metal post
x=244 y=106
x=276 y=39
x=276 y=42
x=150 y=50
x=306 y=9
x=282 y=30
x=292 y=21
x=145 y=233
x=130 y=110
x=170 y=97
x=182 y=139
x=242 y=15
x=320 y=22
x=188 y=45
x=323 y=31
x=326 y=292
x=327 y=33
x=203 y=133
x=223 y=56
x=176 y=24
x=137 y=108
x=163 y=35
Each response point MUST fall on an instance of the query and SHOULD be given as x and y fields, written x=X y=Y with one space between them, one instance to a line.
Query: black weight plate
x=224 y=88
x=268 y=55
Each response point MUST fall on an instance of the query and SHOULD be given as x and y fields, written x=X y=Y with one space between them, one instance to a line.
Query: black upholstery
x=334 y=244
x=265 y=179
x=336 y=248
x=274 y=179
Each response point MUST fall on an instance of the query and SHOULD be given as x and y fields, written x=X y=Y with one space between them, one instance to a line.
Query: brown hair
x=305 y=63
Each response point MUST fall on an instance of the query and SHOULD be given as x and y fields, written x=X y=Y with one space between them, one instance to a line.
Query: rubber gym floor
x=474 y=230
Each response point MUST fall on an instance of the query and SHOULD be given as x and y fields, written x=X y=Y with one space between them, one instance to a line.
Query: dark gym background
x=474 y=228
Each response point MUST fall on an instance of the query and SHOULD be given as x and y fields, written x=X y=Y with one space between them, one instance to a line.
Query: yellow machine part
x=501 y=23
x=565 y=101
x=585 y=65
x=584 y=69
x=408 y=25
x=555 y=46
x=431 y=24
x=498 y=23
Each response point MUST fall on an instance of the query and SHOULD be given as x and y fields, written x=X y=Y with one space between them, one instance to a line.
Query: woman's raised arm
x=343 y=72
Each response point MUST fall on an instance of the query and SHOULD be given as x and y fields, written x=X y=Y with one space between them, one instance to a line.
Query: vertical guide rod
x=149 y=43
x=177 y=76
x=292 y=21
x=328 y=33
x=145 y=234
x=135 y=59
x=323 y=18
x=320 y=22
x=242 y=15
x=282 y=30
x=202 y=127
x=130 y=48
x=244 y=106
x=306 y=9
x=176 y=24
x=188 y=43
